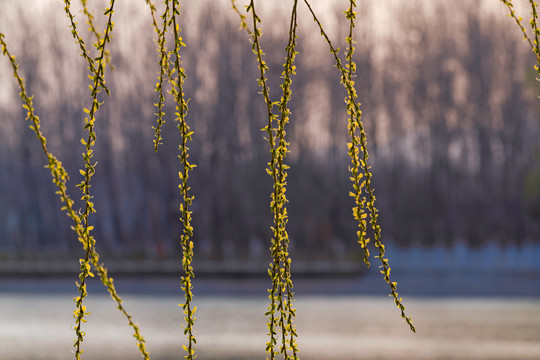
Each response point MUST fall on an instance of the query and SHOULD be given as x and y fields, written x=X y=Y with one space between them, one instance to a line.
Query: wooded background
x=449 y=102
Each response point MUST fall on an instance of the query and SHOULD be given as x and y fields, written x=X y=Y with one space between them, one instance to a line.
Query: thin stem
x=59 y=178
x=243 y=21
x=94 y=30
x=518 y=19
x=164 y=70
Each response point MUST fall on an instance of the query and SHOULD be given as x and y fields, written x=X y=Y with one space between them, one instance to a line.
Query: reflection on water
x=35 y=324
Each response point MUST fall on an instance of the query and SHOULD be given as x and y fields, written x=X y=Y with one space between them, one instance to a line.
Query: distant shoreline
x=206 y=268
x=410 y=284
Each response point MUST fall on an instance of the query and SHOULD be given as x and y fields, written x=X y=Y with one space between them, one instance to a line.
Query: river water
x=345 y=319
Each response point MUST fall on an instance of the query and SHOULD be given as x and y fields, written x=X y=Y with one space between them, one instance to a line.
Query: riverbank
x=418 y=284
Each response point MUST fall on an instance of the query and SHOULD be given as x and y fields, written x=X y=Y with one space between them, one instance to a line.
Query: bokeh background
x=450 y=106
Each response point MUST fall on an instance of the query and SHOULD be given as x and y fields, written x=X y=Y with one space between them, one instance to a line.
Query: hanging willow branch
x=287 y=314
x=98 y=77
x=353 y=108
x=355 y=144
x=275 y=301
x=281 y=311
x=82 y=46
x=94 y=30
x=185 y=207
x=91 y=255
x=176 y=76
x=60 y=177
x=243 y=21
x=534 y=44
x=163 y=71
